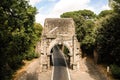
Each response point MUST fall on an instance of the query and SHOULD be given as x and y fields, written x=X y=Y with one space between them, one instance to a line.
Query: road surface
x=60 y=70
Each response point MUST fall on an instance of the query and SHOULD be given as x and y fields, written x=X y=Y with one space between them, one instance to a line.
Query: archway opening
x=65 y=51
x=51 y=61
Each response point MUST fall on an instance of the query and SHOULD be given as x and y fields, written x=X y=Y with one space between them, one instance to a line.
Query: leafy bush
x=18 y=35
x=115 y=71
x=31 y=55
x=108 y=39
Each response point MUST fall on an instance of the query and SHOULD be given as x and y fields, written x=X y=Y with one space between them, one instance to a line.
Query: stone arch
x=55 y=42
x=55 y=31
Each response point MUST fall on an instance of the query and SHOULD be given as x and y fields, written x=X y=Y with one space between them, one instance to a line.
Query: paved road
x=60 y=71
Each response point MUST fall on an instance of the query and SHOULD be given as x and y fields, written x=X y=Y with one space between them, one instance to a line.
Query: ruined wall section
x=59 y=31
x=59 y=26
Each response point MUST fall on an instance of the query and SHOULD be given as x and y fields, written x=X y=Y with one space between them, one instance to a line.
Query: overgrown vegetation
x=100 y=33
x=84 y=21
x=108 y=39
x=18 y=35
x=115 y=69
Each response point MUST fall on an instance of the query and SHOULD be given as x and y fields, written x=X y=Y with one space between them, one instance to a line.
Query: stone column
x=48 y=61
x=44 y=62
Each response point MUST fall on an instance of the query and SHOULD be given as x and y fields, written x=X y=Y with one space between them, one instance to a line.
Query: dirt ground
x=87 y=71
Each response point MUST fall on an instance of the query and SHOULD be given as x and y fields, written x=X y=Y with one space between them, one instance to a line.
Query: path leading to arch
x=60 y=70
x=87 y=71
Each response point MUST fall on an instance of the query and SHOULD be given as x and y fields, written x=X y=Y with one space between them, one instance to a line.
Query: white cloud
x=64 y=6
x=33 y=2
x=71 y=5
x=105 y=7
x=52 y=0
x=40 y=18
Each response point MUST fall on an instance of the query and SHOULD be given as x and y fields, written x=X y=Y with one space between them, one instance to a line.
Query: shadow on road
x=60 y=63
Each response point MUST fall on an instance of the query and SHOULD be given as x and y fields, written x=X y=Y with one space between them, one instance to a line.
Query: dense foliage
x=108 y=40
x=88 y=42
x=79 y=20
x=84 y=21
x=17 y=35
x=115 y=69
x=100 y=33
x=105 y=13
x=116 y=6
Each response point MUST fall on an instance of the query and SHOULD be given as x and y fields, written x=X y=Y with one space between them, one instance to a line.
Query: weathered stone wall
x=37 y=48
x=59 y=26
x=59 y=31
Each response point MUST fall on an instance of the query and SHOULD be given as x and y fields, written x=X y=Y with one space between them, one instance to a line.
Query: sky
x=54 y=8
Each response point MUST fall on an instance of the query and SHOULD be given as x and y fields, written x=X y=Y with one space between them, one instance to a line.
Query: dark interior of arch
x=66 y=52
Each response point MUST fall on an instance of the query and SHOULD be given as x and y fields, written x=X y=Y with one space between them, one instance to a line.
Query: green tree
x=38 y=29
x=87 y=14
x=108 y=36
x=108 y=39
x=116 y=6
x=105 y=13
x=79 y=18
x=18 y=34
x=84 y=21
x=88 y=42
x=36 y=36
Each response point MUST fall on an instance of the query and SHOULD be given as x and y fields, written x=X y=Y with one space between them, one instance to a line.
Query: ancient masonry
x=59 y=31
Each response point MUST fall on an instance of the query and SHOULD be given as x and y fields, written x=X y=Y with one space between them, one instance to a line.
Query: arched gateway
x=59 y=31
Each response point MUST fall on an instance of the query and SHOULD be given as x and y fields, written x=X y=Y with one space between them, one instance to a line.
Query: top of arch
x=59 y=27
